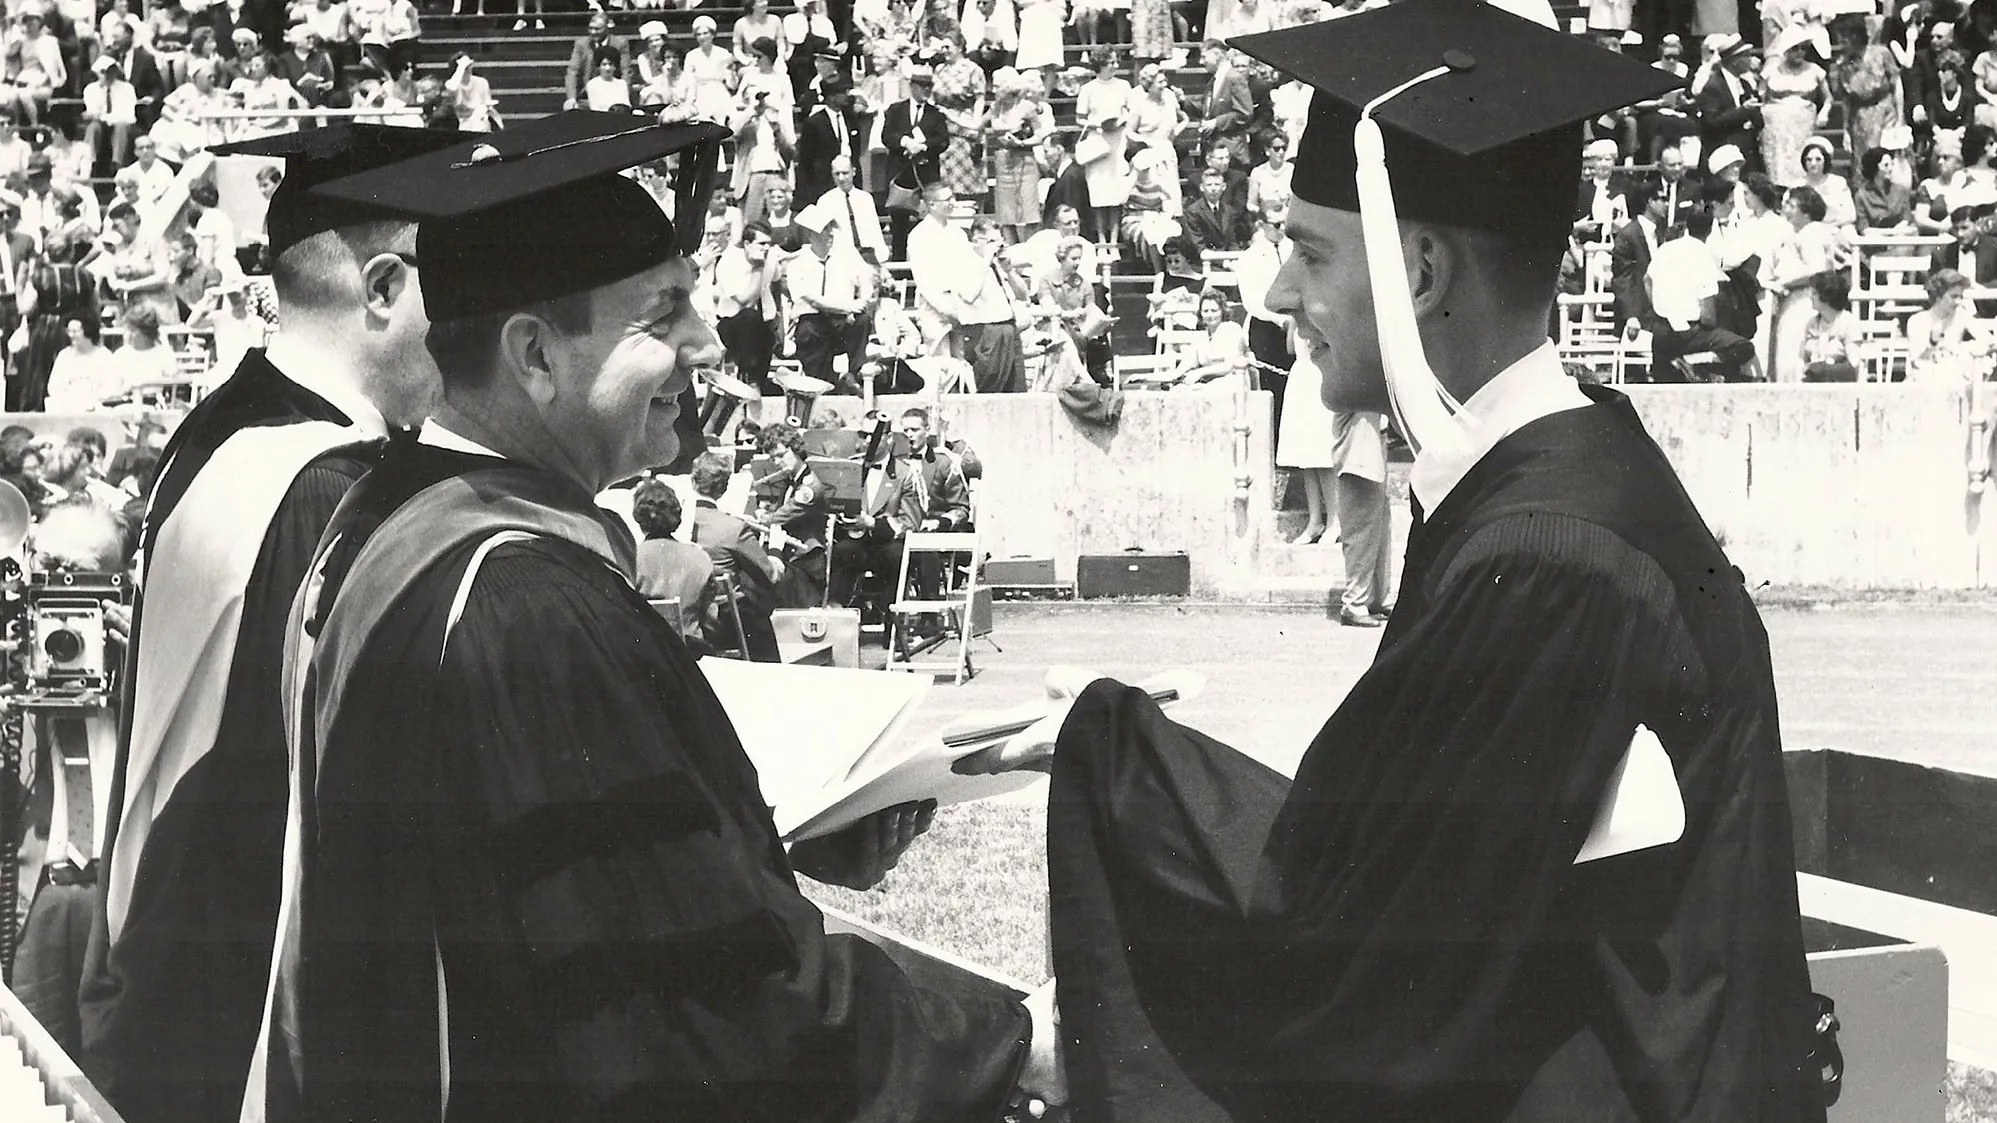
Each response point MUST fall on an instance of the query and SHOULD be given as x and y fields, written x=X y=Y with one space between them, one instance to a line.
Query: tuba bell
x=725 y=395
x=801 y=392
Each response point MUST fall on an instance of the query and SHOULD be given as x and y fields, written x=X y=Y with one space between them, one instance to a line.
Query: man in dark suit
x=1068 y=184
x=583 y=55
x=1974 y=251
x=914 y=133
x=1729 y=108
x=1230 y=107
x=1210 y=220
x=1629 y=257
x=738 y=554
x=826 y=135
x=1678 y=186
x=141 y=69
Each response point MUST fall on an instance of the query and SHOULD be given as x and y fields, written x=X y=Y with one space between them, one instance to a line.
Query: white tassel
x=1433 y=421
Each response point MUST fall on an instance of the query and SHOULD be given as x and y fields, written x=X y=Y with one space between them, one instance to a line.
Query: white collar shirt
x=298 y=367
x=1536 y=386
x=436 y=435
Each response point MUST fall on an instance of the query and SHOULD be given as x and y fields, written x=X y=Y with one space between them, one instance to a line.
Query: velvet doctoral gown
x=552 y=812
x=186 y=908
x=1400 y=933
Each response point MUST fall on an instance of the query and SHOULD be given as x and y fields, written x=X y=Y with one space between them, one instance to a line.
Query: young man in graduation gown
x=535 y=875
x=1402 y=931
x=179 y=955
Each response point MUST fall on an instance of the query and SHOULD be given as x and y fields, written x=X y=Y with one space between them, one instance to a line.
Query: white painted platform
x=1969 y=939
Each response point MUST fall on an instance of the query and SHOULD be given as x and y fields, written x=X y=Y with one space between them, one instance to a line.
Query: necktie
x=1004 y=292
x=852 y=220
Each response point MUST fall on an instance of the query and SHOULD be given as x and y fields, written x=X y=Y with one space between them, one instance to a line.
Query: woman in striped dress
x=58 y=290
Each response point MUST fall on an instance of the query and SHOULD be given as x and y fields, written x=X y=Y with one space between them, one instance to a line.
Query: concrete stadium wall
x=1845 y=486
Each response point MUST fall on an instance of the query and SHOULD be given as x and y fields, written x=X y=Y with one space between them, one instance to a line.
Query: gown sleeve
x=660 y=928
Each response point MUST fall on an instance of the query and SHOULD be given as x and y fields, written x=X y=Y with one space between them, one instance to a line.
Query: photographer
x=82 y=538
x=832 y=286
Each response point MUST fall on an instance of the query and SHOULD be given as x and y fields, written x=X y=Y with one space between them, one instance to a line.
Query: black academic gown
x=1400 y=934
x=617 y=921
x=170 y=1012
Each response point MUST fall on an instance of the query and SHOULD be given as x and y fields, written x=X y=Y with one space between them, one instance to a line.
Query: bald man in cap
x=1424 y=923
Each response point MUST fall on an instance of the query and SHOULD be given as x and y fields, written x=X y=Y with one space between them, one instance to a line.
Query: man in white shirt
x=1044 y=248
x=14 y=151
x=968 y=290
x=856 y=220
x=153 y=175
x=745 y=307
x=1684 y=284
x=1268 y=332
x=829 y=289
x=109 y=106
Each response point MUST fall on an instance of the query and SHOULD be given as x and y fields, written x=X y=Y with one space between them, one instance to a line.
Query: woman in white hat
x=1797 y=96
x=1839 y=208
x=710 y=70
x=653 y=58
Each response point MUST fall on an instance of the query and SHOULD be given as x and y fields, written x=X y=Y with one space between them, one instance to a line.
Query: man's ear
x=1435 y=264
x=384 y=279
x=526 y=355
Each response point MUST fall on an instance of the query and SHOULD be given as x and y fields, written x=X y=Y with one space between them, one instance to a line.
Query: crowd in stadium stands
x=1852 y=133
x=119 y=271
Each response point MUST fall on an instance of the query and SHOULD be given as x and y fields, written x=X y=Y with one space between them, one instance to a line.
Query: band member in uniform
x=871 y=544
x=946 y=493
x=797 y=519
x=737 y=550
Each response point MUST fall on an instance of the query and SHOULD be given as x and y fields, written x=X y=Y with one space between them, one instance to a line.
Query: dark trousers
x=1670 y=344
x=899 y=224
x=997 y=363
x=1269 y=343
x=864 y=567
x=752 y=343
x=820 y=336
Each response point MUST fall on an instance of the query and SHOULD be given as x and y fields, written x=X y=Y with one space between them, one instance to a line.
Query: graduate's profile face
x=1323 y=287
x=617 y=386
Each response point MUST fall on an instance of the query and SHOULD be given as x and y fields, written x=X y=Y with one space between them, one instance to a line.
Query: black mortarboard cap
x=1494 y=143
x=316 y=156
x=540 y=211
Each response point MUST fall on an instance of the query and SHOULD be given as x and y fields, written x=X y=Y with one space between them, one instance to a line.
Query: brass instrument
x=801 y=393
x=725 y=395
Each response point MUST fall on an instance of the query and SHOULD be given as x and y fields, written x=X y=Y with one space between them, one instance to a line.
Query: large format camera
x=63 y=630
